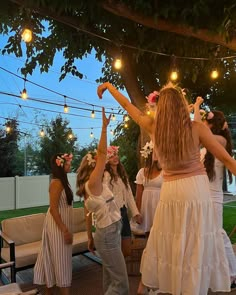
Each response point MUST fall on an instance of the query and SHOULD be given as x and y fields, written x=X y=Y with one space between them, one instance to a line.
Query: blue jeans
x=108 y=244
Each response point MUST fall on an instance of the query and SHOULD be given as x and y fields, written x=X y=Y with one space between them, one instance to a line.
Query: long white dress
x=150 y=199
x=54 y=262
x=217 y=197
x=185 y=253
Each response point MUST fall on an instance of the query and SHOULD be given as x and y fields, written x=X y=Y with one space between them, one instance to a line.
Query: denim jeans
x=108 y=244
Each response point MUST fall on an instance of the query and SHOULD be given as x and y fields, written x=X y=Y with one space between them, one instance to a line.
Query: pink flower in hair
x=59 y=162
x=112 y=151
x=210 y=116
x=152 y=97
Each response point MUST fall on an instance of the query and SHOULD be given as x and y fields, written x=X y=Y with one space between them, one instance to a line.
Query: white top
x=216 y=184
x=123 y=195
x=103 y=206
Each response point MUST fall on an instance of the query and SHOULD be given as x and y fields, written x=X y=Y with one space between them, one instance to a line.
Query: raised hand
x=199 y=101
x=101 y=88
x=105 y=120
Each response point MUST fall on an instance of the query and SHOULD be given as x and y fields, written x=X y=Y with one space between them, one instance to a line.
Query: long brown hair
x=217 y=127
x=121 y=173
x=150 y=165
x=173 y=133
x=59 y=173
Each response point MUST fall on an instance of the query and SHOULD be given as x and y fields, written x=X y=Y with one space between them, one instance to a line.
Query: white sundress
x=150 y=199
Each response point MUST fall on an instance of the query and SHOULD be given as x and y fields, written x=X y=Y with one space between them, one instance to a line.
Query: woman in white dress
x=185 y=251
x=54 y=262
x=148 y=186
x=99 y=200
x=216 y=121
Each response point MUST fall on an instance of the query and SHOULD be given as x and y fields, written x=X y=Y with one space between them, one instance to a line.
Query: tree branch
x=124 y=11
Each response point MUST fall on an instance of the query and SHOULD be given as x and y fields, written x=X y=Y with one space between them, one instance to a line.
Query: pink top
x=191 y=166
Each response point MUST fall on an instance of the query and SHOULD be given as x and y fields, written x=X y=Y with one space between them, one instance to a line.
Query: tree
x=179 y=28
x=56 y=140
x=9 y=149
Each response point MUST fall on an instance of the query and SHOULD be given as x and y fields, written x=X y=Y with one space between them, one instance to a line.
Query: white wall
x=27 y=191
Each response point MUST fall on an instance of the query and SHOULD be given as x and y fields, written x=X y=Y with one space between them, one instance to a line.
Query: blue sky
x=30 y=112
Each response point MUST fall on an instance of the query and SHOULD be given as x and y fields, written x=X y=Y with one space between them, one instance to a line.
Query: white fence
x=27 y=191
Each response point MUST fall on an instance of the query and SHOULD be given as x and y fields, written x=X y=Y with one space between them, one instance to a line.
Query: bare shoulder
x=221 y=140
x=55 y=185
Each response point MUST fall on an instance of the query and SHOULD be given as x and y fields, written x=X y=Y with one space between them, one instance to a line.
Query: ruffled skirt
x=185 y=252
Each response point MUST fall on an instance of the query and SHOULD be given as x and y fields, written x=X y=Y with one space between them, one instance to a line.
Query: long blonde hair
x=173 y=133
x=83 y=174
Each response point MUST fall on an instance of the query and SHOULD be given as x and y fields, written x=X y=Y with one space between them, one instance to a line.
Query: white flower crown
x=147 y=149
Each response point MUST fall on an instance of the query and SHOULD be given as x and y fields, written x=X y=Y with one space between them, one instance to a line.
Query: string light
x=148 y=112
x=70 y=136
x=24 y=94
x=91 y=134
x=93 y=113
x=126 y=118
x=118 y=64
x=113 y=117
x=42 y=133
x=111 y=132
x=66 y=108
x=8 y=129
x=126 y=125
x=174 y=75
x=26 y=35
x=214 y=74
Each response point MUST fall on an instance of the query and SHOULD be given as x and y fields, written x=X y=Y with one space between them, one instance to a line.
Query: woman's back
x=189 y=166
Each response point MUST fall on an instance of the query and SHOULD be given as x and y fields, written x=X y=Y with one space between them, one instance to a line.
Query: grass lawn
x=27 y=211
x=229 y=215
x=229 y=218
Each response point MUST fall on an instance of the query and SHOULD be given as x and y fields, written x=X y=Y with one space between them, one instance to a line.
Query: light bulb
x=118 y=64
x=70 y=136
x=126 y=125
x=93 y=114
x=113 y=117
x=214 y=74
x=66 y=108
x=26 y=35
x=8 y=129
x=91 y=134
x=126 y=118
x=42 y=133
x=111 y=132
x=174 y=75
x=148 y=112
x=24 y=94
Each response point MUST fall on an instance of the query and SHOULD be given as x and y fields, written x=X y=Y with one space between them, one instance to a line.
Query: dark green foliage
x=55 y=141
x=8 y=150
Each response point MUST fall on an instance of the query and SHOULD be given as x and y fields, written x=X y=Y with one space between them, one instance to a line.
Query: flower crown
x=112 y=151
x=153 y=96
x=60 y=160
x=92 y=158
x=147 y=149
x=206 y=115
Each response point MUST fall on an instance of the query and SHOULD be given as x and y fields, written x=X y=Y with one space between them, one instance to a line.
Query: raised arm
x=95 y=179
x=197 y=113
x=211 y=143
x=144 y=121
